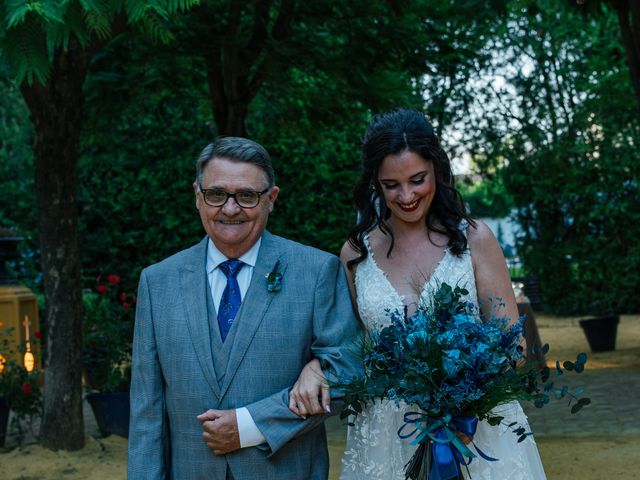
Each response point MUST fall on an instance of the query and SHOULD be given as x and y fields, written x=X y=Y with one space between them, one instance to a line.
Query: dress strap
x=367 y=244
x=365 y=240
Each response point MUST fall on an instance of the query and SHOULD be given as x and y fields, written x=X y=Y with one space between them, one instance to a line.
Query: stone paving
x=615 y=397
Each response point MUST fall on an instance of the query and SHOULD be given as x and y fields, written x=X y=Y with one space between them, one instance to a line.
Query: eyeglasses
x=216 y=197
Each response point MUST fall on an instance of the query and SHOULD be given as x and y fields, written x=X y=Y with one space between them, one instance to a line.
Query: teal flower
x=274 y=279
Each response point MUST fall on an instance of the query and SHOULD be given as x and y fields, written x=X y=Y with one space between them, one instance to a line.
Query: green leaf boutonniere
x=274 y=279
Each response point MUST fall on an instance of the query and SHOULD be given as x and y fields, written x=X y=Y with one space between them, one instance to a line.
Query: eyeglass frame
x=231 y=195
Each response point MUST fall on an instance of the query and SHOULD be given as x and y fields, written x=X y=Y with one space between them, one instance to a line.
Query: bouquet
x=456 y=370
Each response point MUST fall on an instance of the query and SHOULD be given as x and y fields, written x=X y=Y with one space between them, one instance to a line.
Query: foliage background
x=557 y=138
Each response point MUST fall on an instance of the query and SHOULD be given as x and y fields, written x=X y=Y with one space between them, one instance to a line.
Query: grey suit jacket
x=276 y=334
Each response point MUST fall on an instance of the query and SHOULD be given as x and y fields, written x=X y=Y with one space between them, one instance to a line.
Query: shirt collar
x=215 y=257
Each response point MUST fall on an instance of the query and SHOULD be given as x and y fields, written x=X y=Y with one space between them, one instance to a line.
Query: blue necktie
x=230 y=301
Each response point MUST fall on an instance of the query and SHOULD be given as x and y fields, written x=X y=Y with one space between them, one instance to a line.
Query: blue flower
x=461 y=318
x=452 y=362
x=417 y=337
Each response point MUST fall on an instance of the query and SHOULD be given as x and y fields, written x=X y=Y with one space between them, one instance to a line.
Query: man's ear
x=273 y=194
x=196 y=190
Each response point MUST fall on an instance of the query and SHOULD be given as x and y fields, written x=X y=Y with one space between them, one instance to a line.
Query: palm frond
x=60 y=34
x=136 y=9
x=25 y=50
x=99 y=24
x=96 y=6
x=47 y=10
x=182 y=5
x=154 y=27
x=16 y=12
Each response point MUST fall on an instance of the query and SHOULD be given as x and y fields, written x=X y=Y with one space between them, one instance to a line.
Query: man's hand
x=220 y=431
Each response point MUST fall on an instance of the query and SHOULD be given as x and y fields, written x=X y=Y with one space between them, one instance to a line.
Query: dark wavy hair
x=392 y=133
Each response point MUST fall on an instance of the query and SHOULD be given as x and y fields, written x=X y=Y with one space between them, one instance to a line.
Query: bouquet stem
x=417 y=468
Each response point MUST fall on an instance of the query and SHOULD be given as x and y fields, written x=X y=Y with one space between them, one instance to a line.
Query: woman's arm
x=491 y=273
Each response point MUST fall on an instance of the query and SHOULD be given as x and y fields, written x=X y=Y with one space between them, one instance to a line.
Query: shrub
x=108 y=336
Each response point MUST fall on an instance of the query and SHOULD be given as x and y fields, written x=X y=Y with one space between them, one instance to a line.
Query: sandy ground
x=564 y=458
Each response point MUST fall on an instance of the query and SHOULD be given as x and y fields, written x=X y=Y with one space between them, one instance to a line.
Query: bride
x=412 y=235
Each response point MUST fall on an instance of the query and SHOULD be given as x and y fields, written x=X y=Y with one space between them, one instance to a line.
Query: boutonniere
x=274 y=279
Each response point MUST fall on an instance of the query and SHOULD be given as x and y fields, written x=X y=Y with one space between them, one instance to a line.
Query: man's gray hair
x=236 y=149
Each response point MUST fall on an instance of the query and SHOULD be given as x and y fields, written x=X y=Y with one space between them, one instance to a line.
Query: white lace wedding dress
x=374 y=451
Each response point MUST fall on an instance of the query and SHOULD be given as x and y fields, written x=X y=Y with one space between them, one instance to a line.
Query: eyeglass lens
x=244 y=198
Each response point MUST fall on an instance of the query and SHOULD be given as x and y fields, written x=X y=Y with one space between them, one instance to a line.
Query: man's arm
x=334 y=344
x=148 y=429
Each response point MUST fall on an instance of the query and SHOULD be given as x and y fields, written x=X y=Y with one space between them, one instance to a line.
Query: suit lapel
x=254 y=306
x=193 y=282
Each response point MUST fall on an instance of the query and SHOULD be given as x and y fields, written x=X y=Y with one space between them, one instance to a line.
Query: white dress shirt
x=249 y=433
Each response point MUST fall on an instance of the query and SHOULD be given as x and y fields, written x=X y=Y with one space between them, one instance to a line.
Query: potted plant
x=20 y=390
x=602 y=327
x=107 y=343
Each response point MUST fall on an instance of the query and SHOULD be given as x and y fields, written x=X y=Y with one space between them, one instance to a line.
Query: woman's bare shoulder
x=348 y=252
x=480 y=236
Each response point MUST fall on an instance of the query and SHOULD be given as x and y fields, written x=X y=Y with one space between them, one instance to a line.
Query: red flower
x=122 y=297
x=37 y=334
x=113 y=279
x=26 y=388
x=102 y=289
x=126 y=306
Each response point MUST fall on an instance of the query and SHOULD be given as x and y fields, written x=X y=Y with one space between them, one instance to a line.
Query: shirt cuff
x=250 y=435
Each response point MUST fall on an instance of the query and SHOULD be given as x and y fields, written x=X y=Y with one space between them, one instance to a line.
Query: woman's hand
x=310 y=393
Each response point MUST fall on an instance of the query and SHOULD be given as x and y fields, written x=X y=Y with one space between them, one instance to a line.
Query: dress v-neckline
x=393 y=288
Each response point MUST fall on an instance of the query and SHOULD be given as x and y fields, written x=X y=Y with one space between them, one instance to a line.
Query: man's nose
x=231 y=207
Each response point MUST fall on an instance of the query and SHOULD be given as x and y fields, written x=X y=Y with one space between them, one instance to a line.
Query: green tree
x=253 y=43
x=487 y=198
x=628 y=15
x=376 y=50
x=564 y=132
x=48 y=46
x=17 y=196
x=147 y=119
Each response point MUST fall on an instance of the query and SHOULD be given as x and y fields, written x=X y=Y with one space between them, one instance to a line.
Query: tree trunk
x=56 y=112
x=239 y=65
x=628 y=12
x=229 y=100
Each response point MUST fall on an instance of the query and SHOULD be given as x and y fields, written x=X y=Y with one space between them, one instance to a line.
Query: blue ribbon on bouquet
x=448 y=452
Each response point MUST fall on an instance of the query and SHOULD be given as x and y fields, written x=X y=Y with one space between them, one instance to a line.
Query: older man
x=224 y=328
